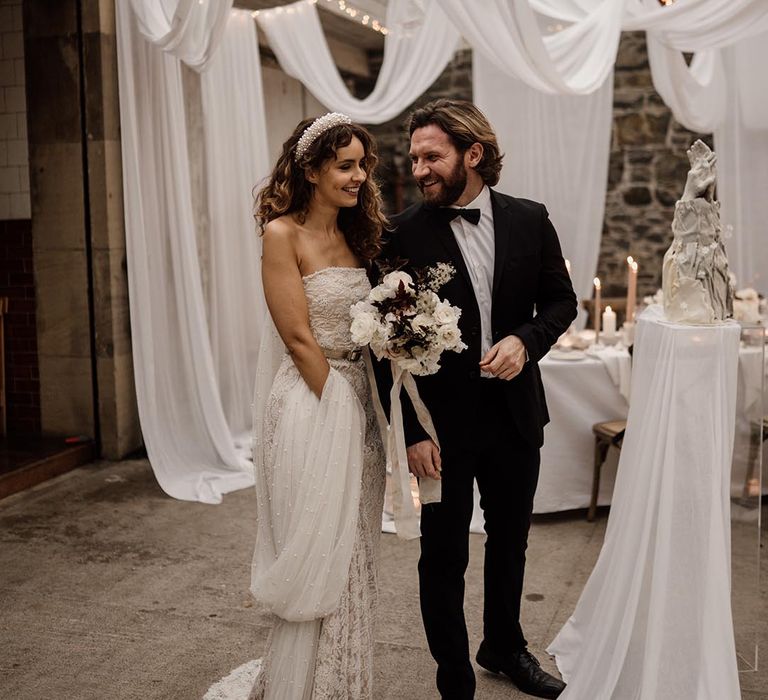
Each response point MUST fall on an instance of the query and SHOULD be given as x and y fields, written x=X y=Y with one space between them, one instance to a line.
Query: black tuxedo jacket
x=532 y=299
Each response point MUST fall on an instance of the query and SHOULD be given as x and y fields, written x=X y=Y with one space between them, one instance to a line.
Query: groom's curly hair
x=464 y=124
x=288 y=191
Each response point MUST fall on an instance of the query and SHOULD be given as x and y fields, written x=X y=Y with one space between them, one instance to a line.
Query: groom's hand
x=506 y=359
x=424 y=460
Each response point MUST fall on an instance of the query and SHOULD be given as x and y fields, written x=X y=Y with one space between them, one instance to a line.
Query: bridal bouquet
x=404 y=320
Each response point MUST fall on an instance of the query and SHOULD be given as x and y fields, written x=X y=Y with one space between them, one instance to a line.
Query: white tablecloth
x=579 y=394
x=654 y=620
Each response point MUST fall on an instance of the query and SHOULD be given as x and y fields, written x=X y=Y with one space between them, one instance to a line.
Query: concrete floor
x=110 y=589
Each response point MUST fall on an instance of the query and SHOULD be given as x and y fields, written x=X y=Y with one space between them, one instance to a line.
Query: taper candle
x=598 y=308
x=631 y=288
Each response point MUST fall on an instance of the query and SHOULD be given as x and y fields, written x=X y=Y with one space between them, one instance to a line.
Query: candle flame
x=608 y=308
x=630 y=260
x=633 y=264
x=597 y=283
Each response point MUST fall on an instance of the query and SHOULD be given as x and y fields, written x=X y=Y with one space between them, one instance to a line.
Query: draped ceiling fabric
x=415 y=53
x=547 y=91
x=189 y=440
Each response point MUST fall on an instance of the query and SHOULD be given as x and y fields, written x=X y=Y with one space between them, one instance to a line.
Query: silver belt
x=351 y=355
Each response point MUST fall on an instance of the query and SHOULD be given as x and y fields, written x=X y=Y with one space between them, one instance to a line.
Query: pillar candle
x=598 y=307
x=631 y=288
x=609 y=322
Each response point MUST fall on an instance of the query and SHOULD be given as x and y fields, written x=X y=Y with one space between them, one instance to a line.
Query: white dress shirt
x=477 y=246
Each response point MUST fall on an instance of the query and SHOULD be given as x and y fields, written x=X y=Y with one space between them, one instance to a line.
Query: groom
x=487 y=403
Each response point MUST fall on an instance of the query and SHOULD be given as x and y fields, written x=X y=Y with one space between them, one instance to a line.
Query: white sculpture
x=695 y=281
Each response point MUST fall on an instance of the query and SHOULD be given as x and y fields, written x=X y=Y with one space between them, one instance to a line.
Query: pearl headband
x=317 y=127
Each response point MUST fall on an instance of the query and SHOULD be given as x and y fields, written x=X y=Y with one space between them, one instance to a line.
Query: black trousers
x=506 y=467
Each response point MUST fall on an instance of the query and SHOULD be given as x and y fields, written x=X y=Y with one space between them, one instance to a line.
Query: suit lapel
x=502 y=232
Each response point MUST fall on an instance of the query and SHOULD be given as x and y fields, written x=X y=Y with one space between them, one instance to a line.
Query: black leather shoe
x=525 y=671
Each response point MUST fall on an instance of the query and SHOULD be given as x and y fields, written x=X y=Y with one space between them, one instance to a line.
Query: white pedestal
x=654 y=620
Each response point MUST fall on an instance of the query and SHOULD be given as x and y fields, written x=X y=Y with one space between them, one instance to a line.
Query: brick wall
x=14 y=160
x=21 y=367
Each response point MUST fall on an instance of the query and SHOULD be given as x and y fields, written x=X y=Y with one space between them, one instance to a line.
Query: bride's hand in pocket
x=424 y=460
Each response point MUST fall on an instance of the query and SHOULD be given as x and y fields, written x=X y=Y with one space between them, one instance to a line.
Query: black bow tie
x=448 y=214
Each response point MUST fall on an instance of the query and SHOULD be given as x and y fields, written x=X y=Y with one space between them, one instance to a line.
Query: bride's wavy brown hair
x=288 y=191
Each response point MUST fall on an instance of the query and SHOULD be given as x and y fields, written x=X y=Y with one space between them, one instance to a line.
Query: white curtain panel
x=741 y=142
x=188 y=438
x=556 y=151
x=415 y=53
x=236 y=160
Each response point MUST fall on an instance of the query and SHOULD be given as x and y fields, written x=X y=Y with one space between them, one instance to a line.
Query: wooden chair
x=608 y=434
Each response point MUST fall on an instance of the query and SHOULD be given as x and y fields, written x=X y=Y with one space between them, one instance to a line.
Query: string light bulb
x=345 y=8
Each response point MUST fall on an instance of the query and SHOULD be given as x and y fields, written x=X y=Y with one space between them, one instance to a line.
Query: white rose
x=363 y=327
x=427 y=301
x=445 y=313
x=422 y=322
x=393 y=279
x=381 y=333
x=381 y=293
x=449 y=336
x=362 y=307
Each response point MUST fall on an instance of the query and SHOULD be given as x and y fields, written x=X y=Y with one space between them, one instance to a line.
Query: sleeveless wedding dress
x=320 y=473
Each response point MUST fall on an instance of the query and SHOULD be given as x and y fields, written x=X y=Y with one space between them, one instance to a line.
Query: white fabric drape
x=236 y=160
x=415 y=54
x=556 y=151
x=694 y=25
x=186 y=431
x=187 y=29
x=741 y=142
x=654 y=619
x=576 y=60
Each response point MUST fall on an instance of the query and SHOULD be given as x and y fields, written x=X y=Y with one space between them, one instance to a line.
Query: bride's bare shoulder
x=283 y=227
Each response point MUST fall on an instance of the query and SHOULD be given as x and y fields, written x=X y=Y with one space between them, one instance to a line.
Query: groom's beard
x=446 y=191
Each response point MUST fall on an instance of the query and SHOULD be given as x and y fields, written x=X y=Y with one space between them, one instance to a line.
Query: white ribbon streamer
x=406 y=518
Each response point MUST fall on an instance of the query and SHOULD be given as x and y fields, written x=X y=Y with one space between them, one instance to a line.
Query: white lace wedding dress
x=320 y=473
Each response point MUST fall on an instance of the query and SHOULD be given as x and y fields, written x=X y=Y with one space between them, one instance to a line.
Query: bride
x=318 y=452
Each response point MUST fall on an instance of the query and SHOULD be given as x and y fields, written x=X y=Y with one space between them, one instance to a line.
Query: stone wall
x=647 y=168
